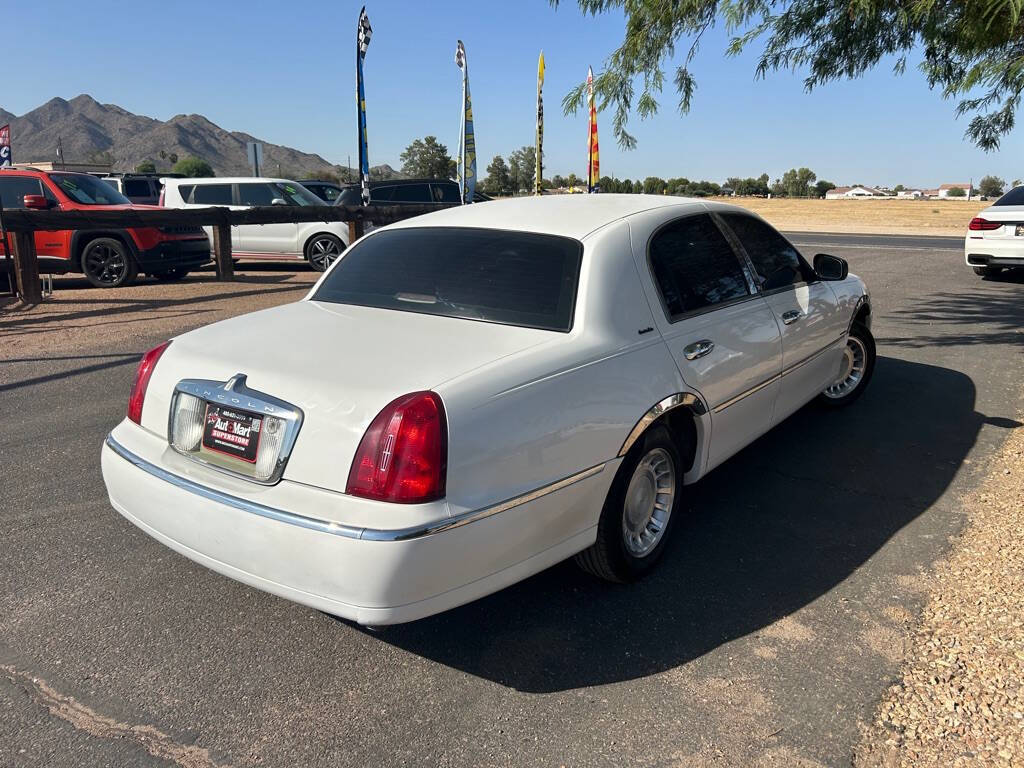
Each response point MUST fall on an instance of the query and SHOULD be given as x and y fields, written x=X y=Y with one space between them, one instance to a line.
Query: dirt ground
x=887 y=216
x=138 y=314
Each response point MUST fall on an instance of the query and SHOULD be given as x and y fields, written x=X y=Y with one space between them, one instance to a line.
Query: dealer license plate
x=1020 y=230
x=232 y=432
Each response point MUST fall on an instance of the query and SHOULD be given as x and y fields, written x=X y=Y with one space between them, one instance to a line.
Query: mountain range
x=94 y=132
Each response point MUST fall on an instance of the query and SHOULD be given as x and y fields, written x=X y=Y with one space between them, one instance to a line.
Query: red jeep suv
x=107 y=257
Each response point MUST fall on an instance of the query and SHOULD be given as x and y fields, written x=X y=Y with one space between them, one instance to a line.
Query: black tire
x=171 y=275
x=323 y=249
x=107 y=263
x=987 y=271
x=837 y=396
x=610 y=557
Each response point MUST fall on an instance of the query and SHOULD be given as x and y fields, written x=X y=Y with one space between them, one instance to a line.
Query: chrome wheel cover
x=855 y=358
x=648 y=504
x=105 y=264
x=323 y=251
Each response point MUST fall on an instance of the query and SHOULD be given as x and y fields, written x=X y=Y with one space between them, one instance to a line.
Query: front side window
x=411 y=193
x=294 y=193
x=88 y=190
x=497 y=276
x=212 y=194
x=694 y=266
x=256 y=194
x=14 y=188
x=329 y=193
x=446 y=193
x=776 y=262
x=137 y=188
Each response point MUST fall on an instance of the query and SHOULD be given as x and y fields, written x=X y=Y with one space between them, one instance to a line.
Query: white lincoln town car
x=468 y=397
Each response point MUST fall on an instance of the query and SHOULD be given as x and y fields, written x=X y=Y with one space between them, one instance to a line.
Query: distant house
x=929 y=193
x=840 y=193
x=914 y=193
x=943 y=191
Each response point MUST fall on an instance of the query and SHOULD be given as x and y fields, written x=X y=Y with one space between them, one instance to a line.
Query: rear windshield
x=1014 y=197
x=513 y=278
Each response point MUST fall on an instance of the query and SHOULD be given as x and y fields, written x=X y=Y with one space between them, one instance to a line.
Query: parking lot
x=767 y=638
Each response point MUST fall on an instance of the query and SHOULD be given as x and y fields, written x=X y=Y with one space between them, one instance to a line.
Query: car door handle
x=698 y=349
x=792 y=316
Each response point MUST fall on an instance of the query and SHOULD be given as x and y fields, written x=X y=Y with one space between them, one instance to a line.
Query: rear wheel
x=986 y=271
x=106 y=263
x=171 y=275
x=638 y=514
x=323 y=249
x=855 y=370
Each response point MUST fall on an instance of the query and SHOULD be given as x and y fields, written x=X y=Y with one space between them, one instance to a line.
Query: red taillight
x=979 y=224
x=403 y=456
x=142 y=374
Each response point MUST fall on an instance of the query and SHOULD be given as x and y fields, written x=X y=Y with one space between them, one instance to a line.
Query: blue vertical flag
x=467 y=140
x=362 y=43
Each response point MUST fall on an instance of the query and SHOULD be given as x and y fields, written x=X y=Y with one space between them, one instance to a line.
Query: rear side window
x=776 y=262
x=137 y=188
x=694 y=266
x=212 y=194
x=14 y=188
x=411 y=193
x=497 y=276
x=446 y=193
x=1014 y=197
x=350 y=196
x=185 y=190
x=328 y=193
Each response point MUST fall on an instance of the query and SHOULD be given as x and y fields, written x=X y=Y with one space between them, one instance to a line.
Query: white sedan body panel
x=537 y=420
x=998 y=247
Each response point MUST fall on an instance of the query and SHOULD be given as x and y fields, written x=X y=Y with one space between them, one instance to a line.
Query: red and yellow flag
x=593 y=161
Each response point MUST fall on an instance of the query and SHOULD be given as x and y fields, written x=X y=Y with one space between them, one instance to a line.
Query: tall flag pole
x=540 y=124
x=362 y=43
x=593 y=162
x=467 y=139
x=5 y=145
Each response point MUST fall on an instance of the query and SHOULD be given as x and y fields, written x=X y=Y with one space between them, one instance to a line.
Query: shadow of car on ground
x=771 y=530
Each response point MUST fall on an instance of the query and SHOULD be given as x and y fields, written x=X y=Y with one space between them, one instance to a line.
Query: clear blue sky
x=285 y=72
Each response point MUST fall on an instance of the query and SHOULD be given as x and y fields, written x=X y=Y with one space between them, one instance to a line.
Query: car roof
x=396 y=182
x=228 y=180
x=573 y=216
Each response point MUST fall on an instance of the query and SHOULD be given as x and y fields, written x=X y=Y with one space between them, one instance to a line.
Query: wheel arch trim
x=687 y=400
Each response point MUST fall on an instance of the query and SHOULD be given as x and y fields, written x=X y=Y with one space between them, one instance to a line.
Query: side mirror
x=830 y=267
x=36 y=202
x=279 y=201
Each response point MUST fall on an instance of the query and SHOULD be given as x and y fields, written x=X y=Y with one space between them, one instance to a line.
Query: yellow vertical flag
x=593 y=154
x=540 y=123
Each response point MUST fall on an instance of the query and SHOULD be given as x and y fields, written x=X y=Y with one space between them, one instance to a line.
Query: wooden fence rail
x=21 y=223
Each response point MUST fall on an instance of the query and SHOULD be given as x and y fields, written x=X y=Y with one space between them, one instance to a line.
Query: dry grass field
x=886 y=216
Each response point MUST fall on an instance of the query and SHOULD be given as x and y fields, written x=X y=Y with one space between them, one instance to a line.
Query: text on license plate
x=231 y=432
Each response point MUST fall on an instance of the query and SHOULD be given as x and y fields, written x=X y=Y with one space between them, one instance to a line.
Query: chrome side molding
x=678 y=400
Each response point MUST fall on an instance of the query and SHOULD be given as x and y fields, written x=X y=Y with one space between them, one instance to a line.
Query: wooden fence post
x=26 y=267
x=355 y=230
x=222 y=251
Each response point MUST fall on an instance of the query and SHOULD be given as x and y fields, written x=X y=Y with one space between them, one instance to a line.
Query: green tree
x=193 y=166
x=498 y=182
x=654 y=185
x=427 y=158
x=797 y=182
x=146 y=166
x=573 y=180
x=522 y=166
x=956 y=192
x=608 y=184
x=822 y=187
x=172 y=157
x=898 y=188
x=558 y=181
x=970 y=50
x=991 y=186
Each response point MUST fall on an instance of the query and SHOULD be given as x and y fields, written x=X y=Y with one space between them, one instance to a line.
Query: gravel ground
x=121 y=319
x=961 y=697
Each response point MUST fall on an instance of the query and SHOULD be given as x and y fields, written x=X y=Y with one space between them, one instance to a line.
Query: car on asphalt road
x=995 y=237
x=407 y=192
x=143 y=188
x=109 y=258
x=317 y=242
x=327 y=191
x=470 y=396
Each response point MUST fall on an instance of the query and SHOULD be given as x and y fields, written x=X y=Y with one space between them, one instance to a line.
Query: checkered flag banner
x=364 y=32
x=460 y=55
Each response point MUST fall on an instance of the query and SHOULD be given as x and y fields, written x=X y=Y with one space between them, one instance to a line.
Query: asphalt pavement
x=767 y=636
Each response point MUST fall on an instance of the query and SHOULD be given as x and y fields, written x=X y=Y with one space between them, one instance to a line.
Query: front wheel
x=323 y=249
x=639 y=511
x=106 y=263
x=855 y=369
x=986 y=271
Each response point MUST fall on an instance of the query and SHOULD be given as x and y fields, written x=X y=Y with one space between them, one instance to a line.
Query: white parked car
x=318 y=242
x=995 y=237
x=471 y=396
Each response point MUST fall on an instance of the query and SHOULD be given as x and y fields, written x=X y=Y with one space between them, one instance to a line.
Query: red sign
x=5 y=145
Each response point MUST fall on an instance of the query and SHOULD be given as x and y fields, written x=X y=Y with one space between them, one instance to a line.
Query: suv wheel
x=987 y=271
x=106 y=263
x=322 y=250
